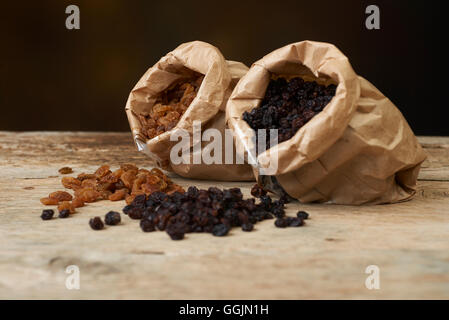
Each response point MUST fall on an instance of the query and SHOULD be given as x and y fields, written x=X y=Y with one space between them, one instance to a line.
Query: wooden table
x=409 y=242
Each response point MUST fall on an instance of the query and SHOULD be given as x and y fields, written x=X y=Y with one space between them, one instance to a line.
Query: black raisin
x=257 y=191
x=96 y=223
x=295 y=222
x=47 y=214
x=127 y=209
x=220 y=230
x=112 y=218
x=303 y=215
x=281 y=223
x=176 y=235
x=136 y=212
x=64 y=213
x=147 y=225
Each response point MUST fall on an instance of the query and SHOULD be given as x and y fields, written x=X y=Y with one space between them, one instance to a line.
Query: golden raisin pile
x=169 y=107
x=125 y=183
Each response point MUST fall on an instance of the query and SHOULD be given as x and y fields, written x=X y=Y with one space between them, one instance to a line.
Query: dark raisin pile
x=213 y=211
x=288 y=105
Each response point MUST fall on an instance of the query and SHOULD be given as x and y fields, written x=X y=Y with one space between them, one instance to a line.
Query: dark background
x=58 y=79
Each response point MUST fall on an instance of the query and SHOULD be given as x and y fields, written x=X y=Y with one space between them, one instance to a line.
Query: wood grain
x=325 y=259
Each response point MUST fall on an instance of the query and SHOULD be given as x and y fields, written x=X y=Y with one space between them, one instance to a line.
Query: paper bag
x=358 y=150
x=208 y=107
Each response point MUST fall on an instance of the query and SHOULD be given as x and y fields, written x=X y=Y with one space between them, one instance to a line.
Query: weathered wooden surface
x=409 y=242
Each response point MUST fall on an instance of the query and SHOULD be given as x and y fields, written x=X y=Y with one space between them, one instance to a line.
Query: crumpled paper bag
x=220 y=77
x=358 y=150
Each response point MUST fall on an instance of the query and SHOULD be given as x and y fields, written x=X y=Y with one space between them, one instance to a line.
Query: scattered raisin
x=295 y=222
x=303 y=215
x=71 y=183
x=47 y=214
x=118 y=195
x=136 y=213
x=77 y=203
x=65 y=170
x=147 y=225
x=66 y=205
x=128 y=178
x=84 y=176
x=89 y=195
x=96 y=223
x=112 y=218
x=102 y=171
x=176 y=235
x=220 y=230
x=64 y=213
x=60 y=196
x=257 y=191
x=49 y=201
x=127 y=209
x=281 y=223
x=128 y=167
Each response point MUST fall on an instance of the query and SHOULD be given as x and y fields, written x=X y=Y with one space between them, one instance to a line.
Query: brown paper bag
x=358 y=150
x=220 y=77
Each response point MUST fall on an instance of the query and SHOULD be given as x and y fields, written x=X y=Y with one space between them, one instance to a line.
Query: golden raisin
x=149 y=188
x=137 y=184
x=157 y=172
x=118 y=173
x=66 y=205
x=89 y=183
x=61 y=196
x=89 y=195
x=128 y=167
x=104 y=194
x=49 y=201
x=120 y=185
x=118 y=195
x=128 y=178
x=125 y=183
x=105 y=186
x=109 y=178
x=71 y=183
x=129 y=198
x=143 y=171
x=169 y=107
x=65 y=170
x=77 y=202
x=102 y=171
x=84 y=176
